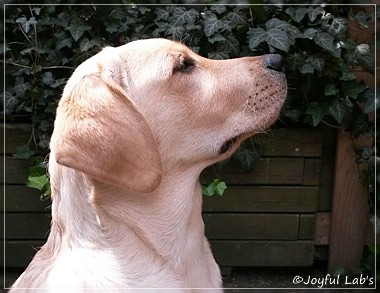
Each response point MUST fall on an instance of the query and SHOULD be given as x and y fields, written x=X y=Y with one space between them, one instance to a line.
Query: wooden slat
x=26 y=225
x=312 y=172
x=291 y=143
x=16 y=171
x=287 y=171
x=350 y=208
x=307 y=227
x=252 y=226
x=20 y=198
x=322 y=228
x=15 y=135
x=263 y=253
x=18 y=254
x=264 y=199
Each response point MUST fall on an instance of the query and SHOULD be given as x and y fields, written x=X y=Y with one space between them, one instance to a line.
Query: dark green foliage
x=44 y=43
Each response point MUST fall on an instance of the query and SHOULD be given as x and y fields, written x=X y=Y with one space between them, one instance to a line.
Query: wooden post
x=349 y=210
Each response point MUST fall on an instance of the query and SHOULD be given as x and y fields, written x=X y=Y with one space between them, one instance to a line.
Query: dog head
x=131 y=113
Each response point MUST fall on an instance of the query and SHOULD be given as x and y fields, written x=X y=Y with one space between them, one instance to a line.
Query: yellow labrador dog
x=135 y=127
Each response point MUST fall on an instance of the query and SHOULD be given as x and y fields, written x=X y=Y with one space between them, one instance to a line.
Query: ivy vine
x=44 y=43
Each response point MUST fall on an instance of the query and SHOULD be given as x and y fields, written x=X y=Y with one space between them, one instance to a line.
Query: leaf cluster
x=44 y=43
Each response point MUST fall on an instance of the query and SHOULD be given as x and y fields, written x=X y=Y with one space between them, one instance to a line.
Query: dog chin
x=230 y=145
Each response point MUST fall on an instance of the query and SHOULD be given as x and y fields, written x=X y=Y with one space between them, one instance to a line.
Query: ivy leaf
x=276 y=23
x=25 y=23
x=230 y=45
x=338 y=28
x=219 y=9
x=256 y=37
x=67 y=42
x=295 y=61
x=347 y=75
x=21 y=87
x=216 y=38
x=310 y=33
x=38 y=182
x=353 y=88
x=317 y=111
x=278 y=39
x=48 y=78
x=211 y=24
x=307 y=68
x=236 y=18
x=326 y=41
x=87 y=44
x=247 y=158
x=371 y=103
x=162 y=14
x=181 y=16
x=338 y=109
x=318 y=63
x=297 y=14
x=331 y=89
x=77 y=31
x=314 y=13
x=175 y=31
x=216 y=186
x=23 y=152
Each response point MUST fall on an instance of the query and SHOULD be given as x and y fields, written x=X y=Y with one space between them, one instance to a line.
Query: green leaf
x=236 y=18
x=26 y=23
x=347 y=75
x=38 y=182
x=216 y=38
x=338 y=28
x=314 y=13
x=278 y=39
x=307 y=68
x=87 y=44
x=181 y=16
x=371 y=103
x=212 y=24
x=48 y=78
x=326 y=41
x=77 y=31
x=230 y=45
x=353 y=88
x=318 y=63
x=338 y=109
x=23 y=152
x=219 y=9
x=215 y=186
x=162 y=14
x=317 y=111
x=297 y=14
x=310 y=33
x=276 y=23
x=256 y=37
x=220 y=188
x=208 y=190
x=331 y=89
x=247 y=158
x=68 y=42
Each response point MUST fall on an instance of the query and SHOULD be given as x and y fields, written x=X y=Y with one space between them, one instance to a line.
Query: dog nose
x=275 y=62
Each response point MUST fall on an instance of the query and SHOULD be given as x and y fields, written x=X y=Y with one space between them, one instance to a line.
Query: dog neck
x=167 y=222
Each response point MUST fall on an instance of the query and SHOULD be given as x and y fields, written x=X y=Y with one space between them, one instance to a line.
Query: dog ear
x=100 y=132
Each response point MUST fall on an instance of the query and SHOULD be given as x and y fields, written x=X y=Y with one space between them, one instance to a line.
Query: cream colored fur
x=135 y=127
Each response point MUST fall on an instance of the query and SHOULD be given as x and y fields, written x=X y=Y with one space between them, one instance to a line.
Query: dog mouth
x=229 y=144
